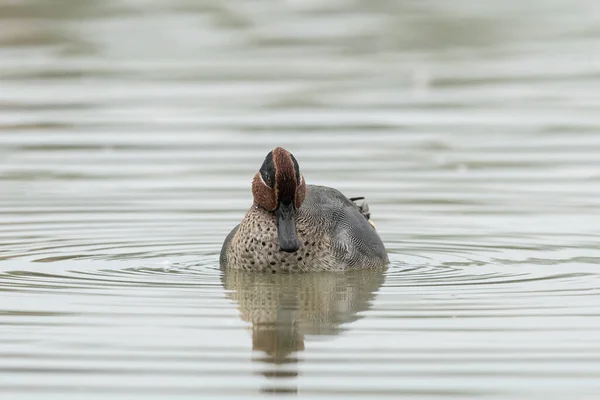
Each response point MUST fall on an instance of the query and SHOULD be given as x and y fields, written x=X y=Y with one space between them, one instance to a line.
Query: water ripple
x=129 y=134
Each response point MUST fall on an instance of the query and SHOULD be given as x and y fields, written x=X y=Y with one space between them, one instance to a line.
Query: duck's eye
x=267 y=170
x=267 y=179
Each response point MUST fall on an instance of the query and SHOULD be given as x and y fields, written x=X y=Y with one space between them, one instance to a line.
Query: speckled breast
x=255 y=246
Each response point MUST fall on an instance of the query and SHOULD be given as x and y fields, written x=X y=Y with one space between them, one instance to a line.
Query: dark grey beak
x=286 y=228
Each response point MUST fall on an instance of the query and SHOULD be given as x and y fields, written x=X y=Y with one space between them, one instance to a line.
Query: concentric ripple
x=186 y=328
x=129 y=134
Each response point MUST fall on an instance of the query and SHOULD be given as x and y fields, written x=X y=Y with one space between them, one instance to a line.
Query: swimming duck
x=293 y=226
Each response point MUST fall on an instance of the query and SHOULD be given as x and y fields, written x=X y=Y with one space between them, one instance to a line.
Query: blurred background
x=130 y=131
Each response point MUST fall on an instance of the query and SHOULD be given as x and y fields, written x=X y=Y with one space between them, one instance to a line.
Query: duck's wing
x=223 y=257
x=354 y=241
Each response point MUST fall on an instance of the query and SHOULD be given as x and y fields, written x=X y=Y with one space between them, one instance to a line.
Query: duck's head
x=279 y=187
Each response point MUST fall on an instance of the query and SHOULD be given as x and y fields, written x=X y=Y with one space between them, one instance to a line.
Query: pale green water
x=130 y=132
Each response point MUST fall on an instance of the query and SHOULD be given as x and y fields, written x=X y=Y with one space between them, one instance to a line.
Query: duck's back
x=354 y=242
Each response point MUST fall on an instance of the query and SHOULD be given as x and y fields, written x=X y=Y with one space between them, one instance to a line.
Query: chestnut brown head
x=279 y=187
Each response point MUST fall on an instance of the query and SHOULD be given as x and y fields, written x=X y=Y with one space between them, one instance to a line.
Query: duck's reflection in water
x=284 y=308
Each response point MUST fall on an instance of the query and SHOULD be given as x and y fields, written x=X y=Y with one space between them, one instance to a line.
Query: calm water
x=129 y=134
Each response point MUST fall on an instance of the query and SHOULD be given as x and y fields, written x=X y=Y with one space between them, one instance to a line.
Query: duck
x=295 y=227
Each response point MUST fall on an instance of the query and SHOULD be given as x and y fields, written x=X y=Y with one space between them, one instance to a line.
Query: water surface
x=129 y=135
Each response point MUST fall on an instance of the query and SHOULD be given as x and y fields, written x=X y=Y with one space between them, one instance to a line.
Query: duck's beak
x=286 y=228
